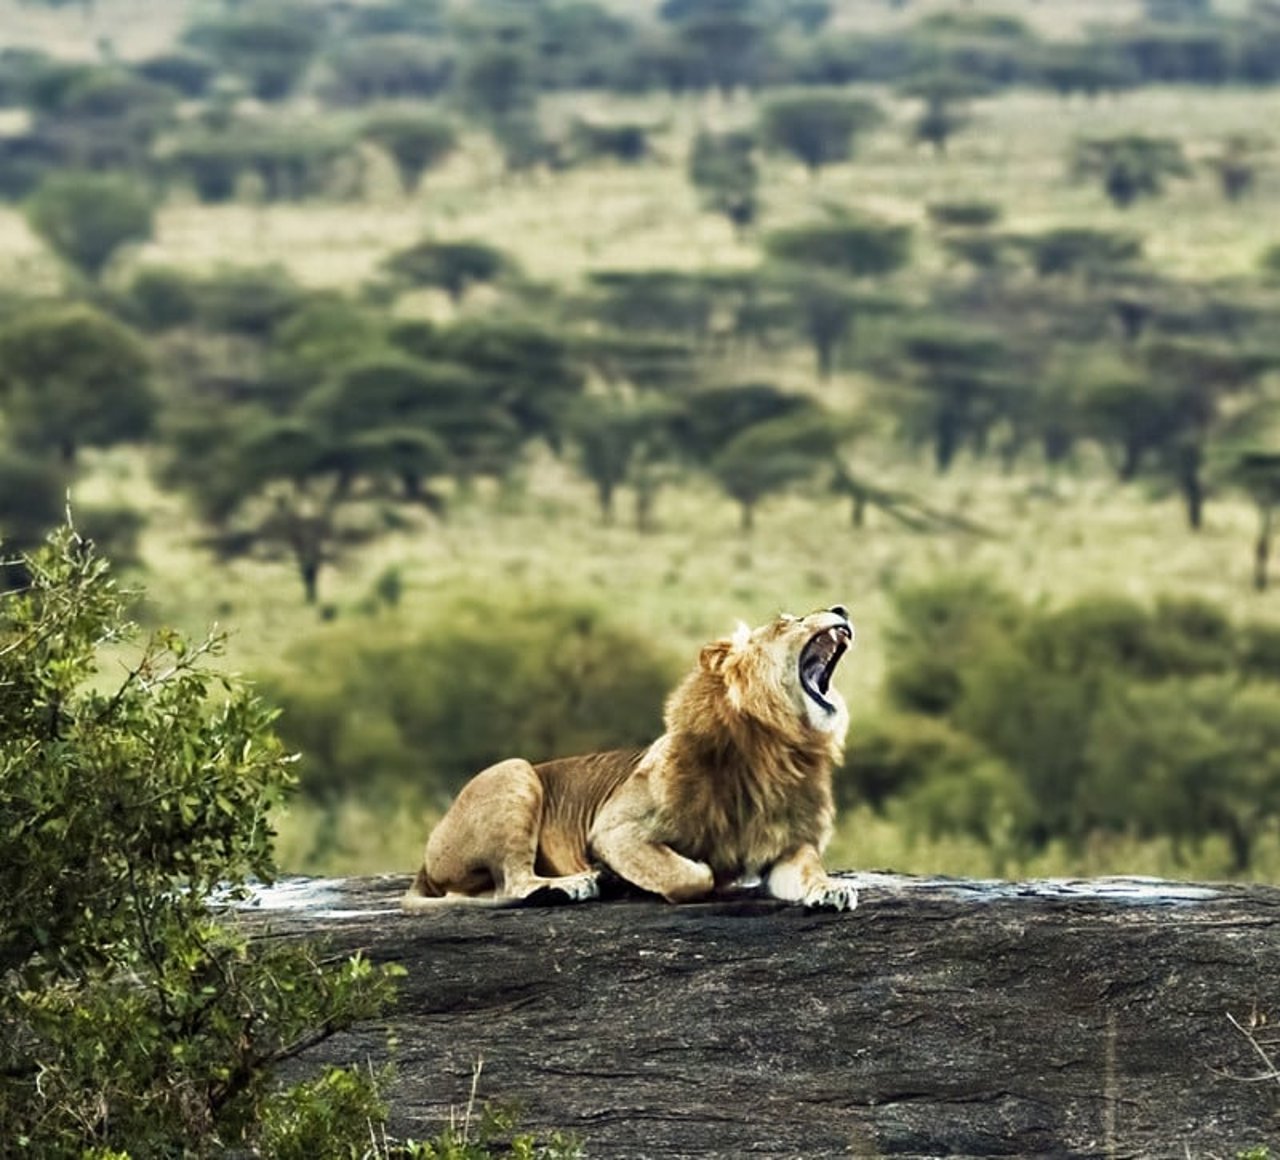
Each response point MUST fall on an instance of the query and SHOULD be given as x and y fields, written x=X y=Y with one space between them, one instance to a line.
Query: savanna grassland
x=1048 y=533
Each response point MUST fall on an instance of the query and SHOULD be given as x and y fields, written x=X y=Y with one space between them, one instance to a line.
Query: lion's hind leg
x=486 y=846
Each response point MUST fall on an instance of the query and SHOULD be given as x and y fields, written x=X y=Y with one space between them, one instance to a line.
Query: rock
x=941 y=1018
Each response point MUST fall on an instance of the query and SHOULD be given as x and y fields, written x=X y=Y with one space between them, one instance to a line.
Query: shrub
x=160 y=298
x=625 y=142
x=377 y=710
x=941 y=633
x=248 y=300
x=186 y=72
x=1103 y=715
x=132 y=1016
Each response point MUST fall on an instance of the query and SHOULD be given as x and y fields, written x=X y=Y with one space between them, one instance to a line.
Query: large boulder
x=1106 y=1018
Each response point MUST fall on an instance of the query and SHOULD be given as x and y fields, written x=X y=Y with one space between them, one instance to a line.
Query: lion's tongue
x=817 y=674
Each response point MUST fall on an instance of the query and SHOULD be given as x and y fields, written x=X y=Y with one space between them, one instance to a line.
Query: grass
x=1052 y=539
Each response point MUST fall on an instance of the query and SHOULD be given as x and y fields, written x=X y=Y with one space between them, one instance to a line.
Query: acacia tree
x=1257 y=474
x=1130 y=166
x=526 y=371
x=722 y=167
x=709 y=420
x=770 y=457
x=72 y=377
x=944 y=113
x=957 y=373
x=132 y=1016
x=386 y=392
x=86 y=218
x=416 y=141
x=275 y=488
x=861 y=247
x=1124 y=409
x=453 y=267
x=619 y=443
x=1081 y=251
x=1237 y=162
x=818 y=129
x=1198 y=377
x=270 y=48
x=821 y=270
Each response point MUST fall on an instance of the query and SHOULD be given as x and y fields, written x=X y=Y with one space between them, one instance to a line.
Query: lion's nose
x=840 y=610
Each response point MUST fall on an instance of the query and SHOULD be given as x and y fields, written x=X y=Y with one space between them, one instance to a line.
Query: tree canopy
x=87 y=218
x=818 y=129
x=72 y=377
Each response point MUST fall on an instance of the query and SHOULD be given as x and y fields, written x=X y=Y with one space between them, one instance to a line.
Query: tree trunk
x=604 y=493
x=309 y=570
x=1078 y=1020
x=646 y=502
x=824 y=348
x=1130 y=462
x=1262 y=549
x=946 y=442
x=1240 y=840
x=1193 y=495
x=858 y=511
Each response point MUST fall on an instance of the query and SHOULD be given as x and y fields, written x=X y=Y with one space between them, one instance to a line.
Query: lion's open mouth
x=818 y=660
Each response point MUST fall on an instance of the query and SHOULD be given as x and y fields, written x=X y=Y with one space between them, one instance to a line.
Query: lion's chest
x=740 y=830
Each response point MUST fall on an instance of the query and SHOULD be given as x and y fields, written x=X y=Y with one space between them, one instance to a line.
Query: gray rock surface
x=941 y=1018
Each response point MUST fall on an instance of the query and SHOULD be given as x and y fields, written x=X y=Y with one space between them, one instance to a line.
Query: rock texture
x=941 y=1018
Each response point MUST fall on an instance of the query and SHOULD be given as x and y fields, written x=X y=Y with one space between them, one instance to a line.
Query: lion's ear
x=717 y=652
x=713 y=655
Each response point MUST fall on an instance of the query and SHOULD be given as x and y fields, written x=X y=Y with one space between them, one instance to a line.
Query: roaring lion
x=738 y=787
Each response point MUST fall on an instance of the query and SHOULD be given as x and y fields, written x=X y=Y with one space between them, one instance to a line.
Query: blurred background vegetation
x=473 y=361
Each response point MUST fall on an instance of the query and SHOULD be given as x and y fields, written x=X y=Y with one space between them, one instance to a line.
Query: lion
x=738 y=788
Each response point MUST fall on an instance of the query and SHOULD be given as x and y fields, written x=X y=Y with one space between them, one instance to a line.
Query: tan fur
x=738 y=786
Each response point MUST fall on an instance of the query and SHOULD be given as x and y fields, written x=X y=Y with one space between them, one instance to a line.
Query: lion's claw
x=833 y=896
x=579 y=888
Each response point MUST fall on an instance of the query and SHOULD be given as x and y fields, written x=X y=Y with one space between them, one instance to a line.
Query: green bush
x=248 y=300
x=383 y=709
x=1104 y=715
x=160 y=298
x=941 y=631
x=270 y=50
x=1190 y=759
x=135 y=1018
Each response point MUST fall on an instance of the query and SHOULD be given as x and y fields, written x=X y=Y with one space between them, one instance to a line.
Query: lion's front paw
x=832 y=895
x=560 y=891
